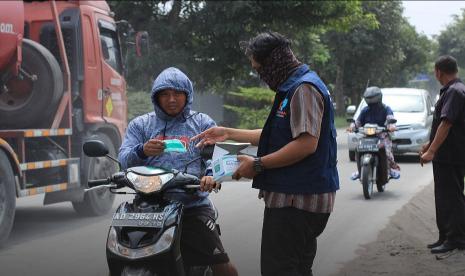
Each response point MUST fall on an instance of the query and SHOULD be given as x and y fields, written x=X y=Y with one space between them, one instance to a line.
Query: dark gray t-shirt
x=451 y=107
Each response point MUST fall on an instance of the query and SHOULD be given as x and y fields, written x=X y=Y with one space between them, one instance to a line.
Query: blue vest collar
x=296 y=75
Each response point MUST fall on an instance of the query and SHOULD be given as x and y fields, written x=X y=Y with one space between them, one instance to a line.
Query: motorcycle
x=371 y=158
x=144 y=236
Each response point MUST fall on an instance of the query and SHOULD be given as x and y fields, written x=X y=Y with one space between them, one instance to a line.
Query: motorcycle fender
x=366 y=159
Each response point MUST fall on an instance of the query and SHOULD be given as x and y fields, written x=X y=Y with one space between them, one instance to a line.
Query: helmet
x=373 y=95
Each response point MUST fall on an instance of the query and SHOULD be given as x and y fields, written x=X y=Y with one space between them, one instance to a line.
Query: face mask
x=174 y=145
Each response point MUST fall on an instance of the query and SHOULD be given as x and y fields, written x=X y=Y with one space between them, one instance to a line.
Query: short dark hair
x=263 y=44
x=446 y=64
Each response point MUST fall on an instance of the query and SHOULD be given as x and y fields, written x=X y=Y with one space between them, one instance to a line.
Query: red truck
x=61 y=83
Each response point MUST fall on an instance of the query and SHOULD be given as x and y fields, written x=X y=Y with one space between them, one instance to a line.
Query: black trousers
x=289 y=241
x=450 y=202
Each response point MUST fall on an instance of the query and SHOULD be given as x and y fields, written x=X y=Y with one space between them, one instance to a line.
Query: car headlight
x=148 y=184
x=370 y=130
x=163 y=244
x=418 y=126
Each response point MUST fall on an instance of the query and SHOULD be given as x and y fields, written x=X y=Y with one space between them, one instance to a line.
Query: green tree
x=201 y=37
x=248 y=107
x=451 y=41
x=387 y=53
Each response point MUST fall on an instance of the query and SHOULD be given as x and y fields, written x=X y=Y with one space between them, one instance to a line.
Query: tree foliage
x=201 y=37
x=349 y=43
x=388 y=53
x=452 y=40
x=248 y=107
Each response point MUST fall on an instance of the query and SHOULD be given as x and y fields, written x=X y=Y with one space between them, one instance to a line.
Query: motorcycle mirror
x=351 y=109
x=392 y=121
x=95 y=148
x=207 y=152
x=142 y=43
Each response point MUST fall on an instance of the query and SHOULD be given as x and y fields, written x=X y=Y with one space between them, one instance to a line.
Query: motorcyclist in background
x=377 y=113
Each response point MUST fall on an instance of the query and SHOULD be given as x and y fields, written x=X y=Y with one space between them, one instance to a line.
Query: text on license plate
x=138 y=219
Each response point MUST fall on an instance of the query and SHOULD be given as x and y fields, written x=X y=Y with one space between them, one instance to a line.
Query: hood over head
x=172 y=78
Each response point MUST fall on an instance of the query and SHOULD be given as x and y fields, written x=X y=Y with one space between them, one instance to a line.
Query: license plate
x=138 y=220
x=367 y=148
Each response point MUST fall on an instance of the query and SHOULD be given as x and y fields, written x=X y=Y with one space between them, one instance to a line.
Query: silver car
x=413 y=110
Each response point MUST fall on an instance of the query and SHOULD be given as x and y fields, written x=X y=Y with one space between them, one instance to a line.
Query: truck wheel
x=28 y=102
x=97 y=202
x=7 y=198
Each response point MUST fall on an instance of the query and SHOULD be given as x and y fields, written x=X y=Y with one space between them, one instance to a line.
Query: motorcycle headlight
x=370 y=130
x=148 y=184
x=160 y=246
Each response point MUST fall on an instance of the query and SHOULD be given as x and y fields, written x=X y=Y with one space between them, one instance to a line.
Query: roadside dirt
x=401 y=247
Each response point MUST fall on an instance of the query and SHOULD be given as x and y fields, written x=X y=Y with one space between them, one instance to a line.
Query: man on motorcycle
x=144 y=145
x=377 y=113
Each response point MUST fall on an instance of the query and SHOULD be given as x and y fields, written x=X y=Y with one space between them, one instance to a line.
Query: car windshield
x=404 y=103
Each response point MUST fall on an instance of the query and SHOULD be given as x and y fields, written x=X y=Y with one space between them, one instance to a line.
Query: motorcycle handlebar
x=98 y=182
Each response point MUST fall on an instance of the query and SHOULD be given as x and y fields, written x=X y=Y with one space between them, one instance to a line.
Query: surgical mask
x=174 y=145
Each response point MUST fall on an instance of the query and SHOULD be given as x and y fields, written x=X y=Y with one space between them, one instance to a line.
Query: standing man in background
x=447 y=151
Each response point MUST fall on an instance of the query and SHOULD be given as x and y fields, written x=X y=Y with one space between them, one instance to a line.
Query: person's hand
x=426 y=157
x=349 y=129
x=154 y=147
x=424 y=148
x=208 y=184
x=211 y=136
x=245 y=168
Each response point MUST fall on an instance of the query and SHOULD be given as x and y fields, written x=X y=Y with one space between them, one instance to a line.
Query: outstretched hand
x=211 y=136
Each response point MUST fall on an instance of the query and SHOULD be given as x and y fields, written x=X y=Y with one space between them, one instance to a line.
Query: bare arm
x=439 y=138
x=298 y=149
x=220 y=134
x=244 y=135
x=441 y=135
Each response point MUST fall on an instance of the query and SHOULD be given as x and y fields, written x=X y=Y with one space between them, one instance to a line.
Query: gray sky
x=431 y=17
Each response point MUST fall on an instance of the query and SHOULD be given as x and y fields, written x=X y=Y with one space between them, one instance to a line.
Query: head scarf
x=278 y=66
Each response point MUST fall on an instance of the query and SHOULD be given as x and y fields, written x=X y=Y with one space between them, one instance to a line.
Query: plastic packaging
x=224 y=167
x=174 y=145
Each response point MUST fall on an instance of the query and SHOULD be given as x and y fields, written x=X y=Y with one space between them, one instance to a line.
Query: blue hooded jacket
x=161 y=126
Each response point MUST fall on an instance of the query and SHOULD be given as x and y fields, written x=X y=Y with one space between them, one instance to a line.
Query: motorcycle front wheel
x=136 y=271
x=367 y=181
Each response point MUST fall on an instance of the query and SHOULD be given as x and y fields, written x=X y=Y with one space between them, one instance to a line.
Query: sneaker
x=355 y=176
x=394 y=174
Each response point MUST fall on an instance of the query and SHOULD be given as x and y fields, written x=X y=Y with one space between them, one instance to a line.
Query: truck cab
x=61 y=84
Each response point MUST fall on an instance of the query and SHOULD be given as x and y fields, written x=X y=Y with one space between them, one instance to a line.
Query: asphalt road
x=53 y=240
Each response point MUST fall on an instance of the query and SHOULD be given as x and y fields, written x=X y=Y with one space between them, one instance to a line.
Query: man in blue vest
x=295 y=170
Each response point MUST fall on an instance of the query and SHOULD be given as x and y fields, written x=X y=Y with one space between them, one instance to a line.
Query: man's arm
x=220 y=134
x=244 y=135
x=439 y=138
x=131 y=152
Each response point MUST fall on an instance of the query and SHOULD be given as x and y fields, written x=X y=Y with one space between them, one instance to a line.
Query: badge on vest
x=281 y=113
